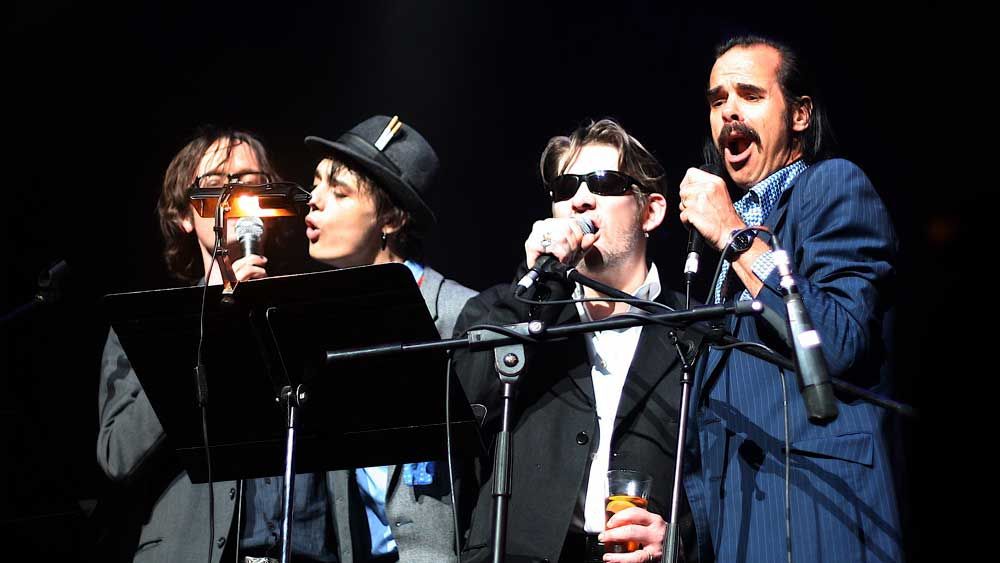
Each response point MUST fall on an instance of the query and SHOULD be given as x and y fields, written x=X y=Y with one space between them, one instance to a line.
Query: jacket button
x=221 y=542
x=232 y=493
x=582 y=438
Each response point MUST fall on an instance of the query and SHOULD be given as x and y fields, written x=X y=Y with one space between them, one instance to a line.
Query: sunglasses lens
x=563 y=187
x=607 y=182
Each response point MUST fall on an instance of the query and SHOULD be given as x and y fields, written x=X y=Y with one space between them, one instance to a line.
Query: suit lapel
x=430 y=288
x=654 y=357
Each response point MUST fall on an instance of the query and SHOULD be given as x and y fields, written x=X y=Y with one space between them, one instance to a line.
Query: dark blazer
x=843 y=507
x=556 y=427
x=174 y=512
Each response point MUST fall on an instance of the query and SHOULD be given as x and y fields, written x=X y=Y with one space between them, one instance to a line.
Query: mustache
x=738 y=128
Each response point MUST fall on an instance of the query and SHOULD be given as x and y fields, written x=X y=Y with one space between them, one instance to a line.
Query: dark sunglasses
x=600 y=182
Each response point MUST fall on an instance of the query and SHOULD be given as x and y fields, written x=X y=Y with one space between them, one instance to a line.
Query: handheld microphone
x=814 y=380
x=548 y=264
x=696 y=242
x=249 y=231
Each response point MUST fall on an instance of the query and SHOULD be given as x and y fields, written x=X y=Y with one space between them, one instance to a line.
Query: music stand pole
x=293 y=400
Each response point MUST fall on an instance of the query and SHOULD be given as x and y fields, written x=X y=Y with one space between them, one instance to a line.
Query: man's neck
x=627 y=277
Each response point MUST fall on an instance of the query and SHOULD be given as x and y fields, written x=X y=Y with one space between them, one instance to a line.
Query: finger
x=644 y=555
x=248 y=272
x=634 y=515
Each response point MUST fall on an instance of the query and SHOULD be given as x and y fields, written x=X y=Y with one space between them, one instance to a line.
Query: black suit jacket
x=556 y=427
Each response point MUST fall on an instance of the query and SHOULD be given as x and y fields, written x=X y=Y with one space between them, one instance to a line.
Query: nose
x=583 y=199
x=730 y=110
x=315 y=196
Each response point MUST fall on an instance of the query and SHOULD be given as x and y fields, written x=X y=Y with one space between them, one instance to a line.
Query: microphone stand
x=507 y=344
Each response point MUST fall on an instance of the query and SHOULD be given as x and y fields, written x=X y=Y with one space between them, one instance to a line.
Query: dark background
x=99 y=99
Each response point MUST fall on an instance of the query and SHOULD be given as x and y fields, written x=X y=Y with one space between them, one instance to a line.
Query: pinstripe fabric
x=843 y=249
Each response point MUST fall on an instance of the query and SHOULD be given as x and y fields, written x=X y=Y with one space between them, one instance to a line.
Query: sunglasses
x=600 y=182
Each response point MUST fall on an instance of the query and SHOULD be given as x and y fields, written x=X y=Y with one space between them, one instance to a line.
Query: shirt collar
x=649 y=290
x=765 y=194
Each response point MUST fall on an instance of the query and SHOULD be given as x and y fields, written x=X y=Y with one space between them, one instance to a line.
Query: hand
x=561 y=237
x=635 y=525
x=250 y=267
x=706 y=206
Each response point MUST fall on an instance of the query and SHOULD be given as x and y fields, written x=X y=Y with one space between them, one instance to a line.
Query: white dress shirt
x=610 y=353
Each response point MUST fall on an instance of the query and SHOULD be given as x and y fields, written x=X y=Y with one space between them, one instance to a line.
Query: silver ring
x=546 y=241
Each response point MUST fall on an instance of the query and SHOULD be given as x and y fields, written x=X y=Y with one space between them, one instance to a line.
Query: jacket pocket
x=857 y=447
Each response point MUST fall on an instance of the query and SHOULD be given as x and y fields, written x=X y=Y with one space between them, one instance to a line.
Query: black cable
x=204 y=406
x=632 y=301
x=788 y=470
x=451 y=469
x=788 y=442
x=274 y=338
x=200 y=375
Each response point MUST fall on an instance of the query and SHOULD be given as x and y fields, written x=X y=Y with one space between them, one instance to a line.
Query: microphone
x=548 y=264
x=696 y=242
x=249 y=231
x=814 y=380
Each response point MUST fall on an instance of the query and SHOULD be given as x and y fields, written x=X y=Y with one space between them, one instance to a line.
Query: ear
x=394 y=224
x=655 y=212
x=802 y=114
x=186 y=223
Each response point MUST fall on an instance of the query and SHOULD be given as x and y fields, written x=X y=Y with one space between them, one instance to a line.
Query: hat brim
x=399 y=191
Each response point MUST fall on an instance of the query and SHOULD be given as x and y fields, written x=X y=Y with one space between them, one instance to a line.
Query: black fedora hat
x=394 y=155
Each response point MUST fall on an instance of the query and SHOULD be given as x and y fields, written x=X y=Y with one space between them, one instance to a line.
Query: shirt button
x=221 y=542
x=399 y=524
x=232 y=493
x=582 y=438
x=267 y=480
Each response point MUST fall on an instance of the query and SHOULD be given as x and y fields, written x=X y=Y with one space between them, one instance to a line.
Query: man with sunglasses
x=769 y=129
x=594 y=402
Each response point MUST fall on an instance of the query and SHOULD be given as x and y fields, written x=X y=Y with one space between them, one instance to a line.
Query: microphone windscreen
x=586 y=224
x=249 y=228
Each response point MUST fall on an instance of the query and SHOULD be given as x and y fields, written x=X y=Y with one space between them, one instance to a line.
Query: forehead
x=756 y=65
x=593 y=157
x=227 y=155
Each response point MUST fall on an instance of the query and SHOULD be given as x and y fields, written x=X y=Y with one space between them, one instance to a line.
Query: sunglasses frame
x=589 y=178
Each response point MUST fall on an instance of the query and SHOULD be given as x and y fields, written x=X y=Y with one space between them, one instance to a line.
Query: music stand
x=274 y=335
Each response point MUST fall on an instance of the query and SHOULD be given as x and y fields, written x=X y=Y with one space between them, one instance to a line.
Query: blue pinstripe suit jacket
x=843 y=249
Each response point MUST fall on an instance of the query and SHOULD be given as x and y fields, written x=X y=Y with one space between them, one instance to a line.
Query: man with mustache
x=769 y=129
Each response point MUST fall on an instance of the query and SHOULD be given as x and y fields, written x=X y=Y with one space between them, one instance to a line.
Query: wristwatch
x=740 y=241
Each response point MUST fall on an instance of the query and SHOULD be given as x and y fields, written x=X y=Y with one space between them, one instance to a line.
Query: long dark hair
x=181 y=250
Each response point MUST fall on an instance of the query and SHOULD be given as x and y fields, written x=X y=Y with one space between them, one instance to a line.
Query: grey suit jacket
x=421 y=521
x=174 y=519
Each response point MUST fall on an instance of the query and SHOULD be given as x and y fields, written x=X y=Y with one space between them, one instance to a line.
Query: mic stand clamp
x=293 y=400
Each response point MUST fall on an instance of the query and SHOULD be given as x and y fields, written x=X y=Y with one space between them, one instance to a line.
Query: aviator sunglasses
x=600 y=182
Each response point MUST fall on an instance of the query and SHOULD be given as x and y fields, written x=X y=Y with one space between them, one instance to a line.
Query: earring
x=385 y=240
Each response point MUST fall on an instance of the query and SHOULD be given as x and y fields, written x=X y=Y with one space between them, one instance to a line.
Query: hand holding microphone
x=706 y=207
x=249 y=232
x=555 y=245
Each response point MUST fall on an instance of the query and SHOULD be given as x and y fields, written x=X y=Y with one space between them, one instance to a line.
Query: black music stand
x=275 y=336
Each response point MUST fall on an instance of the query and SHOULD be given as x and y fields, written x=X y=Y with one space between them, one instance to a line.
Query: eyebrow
x=740 y=87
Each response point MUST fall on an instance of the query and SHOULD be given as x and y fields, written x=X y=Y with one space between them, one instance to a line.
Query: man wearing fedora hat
x=368 y=206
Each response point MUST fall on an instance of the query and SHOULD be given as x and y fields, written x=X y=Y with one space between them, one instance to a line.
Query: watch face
x=742 y=242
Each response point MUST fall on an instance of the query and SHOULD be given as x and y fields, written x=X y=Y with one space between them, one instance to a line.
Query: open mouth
x=736 y=142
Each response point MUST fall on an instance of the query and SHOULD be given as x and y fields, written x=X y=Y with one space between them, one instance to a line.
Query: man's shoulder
x=833 y=171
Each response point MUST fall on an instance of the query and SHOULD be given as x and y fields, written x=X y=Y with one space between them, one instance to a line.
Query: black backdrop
x=100 y=98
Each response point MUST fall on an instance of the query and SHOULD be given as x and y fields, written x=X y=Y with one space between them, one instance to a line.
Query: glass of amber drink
x=626 y=488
